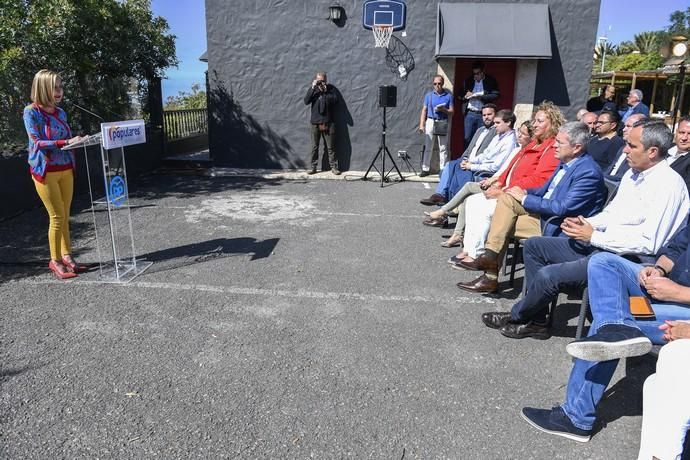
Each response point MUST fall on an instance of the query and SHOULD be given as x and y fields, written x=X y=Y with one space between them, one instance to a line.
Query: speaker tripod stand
x=383 y=152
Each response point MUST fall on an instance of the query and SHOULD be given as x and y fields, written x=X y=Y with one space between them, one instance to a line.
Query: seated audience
x=616 y=334
x=650 y=206
x=576 y=188
x=530 y=168
x=604 y=101
x=606 y=143
x=619 y=166
x=439 y=218
x=453 y=177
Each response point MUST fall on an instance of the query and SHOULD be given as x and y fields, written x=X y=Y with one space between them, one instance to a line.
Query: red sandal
x=73 y=266
x=60 y=271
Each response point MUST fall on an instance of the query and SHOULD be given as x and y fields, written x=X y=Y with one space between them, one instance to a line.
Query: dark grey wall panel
x=262 y=56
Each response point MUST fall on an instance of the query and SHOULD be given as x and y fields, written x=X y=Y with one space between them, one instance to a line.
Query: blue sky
x=187 y=20
x=619 y=19
x=629 y=17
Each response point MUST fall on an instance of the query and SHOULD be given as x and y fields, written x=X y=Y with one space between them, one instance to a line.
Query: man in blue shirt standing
x=433 y=123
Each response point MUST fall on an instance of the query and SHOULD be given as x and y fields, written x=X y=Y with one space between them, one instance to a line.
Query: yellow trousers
x=56 y=193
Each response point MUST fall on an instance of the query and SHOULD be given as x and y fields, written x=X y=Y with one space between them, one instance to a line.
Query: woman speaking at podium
x=52 y=169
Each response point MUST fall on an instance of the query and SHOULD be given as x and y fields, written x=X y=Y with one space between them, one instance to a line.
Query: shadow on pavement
x=195 y=253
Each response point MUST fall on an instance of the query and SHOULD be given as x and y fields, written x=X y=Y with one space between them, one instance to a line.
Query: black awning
x=495 y=30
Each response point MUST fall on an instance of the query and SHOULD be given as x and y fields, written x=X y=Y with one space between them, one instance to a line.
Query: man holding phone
x=615 y=333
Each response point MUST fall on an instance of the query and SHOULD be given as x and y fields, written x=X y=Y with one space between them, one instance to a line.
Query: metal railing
x=178 y=124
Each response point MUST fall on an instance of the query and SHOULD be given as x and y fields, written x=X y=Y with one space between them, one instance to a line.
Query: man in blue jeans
x=615 y=333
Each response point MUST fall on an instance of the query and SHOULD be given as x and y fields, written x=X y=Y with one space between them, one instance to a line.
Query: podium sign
x=123 y=133
x=111 y=213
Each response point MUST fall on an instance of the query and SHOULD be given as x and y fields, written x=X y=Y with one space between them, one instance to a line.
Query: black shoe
x=612 y=341
x=423 y=173
x=496 y=319
x=555 y=421
x=454 y=260
x=531 y=329
x=311 y=171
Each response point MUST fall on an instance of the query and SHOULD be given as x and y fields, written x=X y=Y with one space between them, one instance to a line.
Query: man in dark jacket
x=479 y=89
x=679 y=154
x=323 y=97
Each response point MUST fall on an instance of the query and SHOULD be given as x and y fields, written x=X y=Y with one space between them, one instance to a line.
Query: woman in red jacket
x=530 y=168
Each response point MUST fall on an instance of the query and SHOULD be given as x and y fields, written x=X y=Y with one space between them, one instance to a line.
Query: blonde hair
x=43 y=87
x=555 y=116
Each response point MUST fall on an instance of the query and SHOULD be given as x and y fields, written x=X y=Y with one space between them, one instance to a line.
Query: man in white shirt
x=650 y=206
x=492 y=158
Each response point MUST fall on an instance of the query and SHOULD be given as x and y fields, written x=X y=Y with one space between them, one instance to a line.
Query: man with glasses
x=479 y=89
x=433 y=123
x=605 y=145
x=615 y=171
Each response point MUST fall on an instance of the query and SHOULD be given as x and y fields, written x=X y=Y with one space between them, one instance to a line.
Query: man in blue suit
x=635 y=105
x=576 y=188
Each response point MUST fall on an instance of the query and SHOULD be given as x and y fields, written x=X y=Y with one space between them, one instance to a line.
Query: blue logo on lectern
x=117 y=191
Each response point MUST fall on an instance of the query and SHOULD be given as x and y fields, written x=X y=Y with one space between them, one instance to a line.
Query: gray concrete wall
x=263 y=54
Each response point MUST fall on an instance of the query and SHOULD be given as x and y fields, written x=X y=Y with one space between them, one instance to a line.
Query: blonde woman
x=52 y=168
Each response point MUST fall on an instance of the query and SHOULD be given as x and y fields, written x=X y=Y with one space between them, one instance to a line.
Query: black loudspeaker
x=388 y=96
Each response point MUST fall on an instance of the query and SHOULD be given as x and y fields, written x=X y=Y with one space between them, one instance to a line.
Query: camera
x=321 y=85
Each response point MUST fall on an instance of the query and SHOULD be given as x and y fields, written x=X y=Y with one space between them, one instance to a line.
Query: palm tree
x=646 y=42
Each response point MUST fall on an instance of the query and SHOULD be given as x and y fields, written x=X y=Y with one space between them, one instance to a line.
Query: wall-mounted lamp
x=336 y=12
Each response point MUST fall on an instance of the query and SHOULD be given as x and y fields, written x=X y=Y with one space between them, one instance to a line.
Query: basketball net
x=382 y=36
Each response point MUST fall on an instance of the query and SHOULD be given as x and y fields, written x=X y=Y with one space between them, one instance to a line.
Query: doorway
x=503 y=70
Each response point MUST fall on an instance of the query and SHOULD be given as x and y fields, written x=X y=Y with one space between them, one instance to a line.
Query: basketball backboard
x=384 y=13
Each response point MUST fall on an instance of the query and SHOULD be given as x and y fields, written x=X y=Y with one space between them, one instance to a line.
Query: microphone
x=86 y=110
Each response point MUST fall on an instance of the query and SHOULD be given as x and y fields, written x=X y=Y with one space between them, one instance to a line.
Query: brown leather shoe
x=482 y=285
x=521 y=331
x=485 y=262
x=432 y=222
x=496 y=319
x=434 y=200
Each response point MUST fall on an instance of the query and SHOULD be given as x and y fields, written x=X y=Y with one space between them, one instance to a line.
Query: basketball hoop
x=382 y=36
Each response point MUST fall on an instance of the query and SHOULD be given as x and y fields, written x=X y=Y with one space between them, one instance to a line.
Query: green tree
x=98 y=46
x=680 y=22
x=194 y=100
x=646 y=42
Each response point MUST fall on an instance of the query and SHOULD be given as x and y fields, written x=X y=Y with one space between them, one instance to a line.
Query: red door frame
x=503 y=70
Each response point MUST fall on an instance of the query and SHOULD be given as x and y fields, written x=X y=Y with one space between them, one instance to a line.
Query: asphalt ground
x=282 y=318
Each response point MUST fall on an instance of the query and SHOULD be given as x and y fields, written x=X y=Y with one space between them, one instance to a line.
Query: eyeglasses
x=437 y=83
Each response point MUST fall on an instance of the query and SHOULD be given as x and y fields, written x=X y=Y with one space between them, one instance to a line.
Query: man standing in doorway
x=323 y=97
x=478 y=89
x=433 y=123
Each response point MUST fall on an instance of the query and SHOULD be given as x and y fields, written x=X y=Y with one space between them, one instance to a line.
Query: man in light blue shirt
x=438 y=107
x=490 y=160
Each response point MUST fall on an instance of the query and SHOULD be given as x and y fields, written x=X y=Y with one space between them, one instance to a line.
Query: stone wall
x=263 y=54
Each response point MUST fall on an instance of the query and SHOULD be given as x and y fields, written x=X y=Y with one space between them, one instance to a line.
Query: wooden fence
x=178 y=124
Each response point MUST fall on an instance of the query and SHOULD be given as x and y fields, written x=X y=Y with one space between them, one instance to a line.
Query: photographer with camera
x=323 y=97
